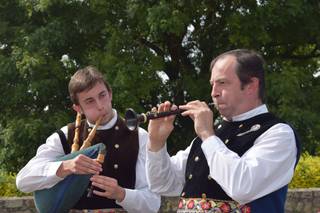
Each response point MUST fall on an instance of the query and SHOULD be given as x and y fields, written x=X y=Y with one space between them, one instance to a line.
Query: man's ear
x=253 y=86
x=77 y=108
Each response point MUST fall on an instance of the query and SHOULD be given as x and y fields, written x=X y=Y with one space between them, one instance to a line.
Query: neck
x=248 y=108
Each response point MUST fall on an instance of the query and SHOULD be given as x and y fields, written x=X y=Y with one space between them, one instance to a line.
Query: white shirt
x=267 y=166
x=40 y=172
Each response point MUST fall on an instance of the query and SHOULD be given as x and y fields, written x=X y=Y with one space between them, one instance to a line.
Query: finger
x=78 y=169
x=102 y=194
x=89 y=160
x=174 y=107
x=167 y=105
x=190 y=113
x=99 y=185
x=192 y=103
x=92 y=162
x=161 y=107
x=89 y=167
x=102 y=179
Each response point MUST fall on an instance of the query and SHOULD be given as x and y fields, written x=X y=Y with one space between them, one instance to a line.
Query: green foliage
x=8 y=186
x=43 y=42
x=307 y=174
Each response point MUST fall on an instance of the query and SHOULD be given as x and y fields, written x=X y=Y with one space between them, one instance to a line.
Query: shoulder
x=55 y=135
x=279 y=134
x=281 y=128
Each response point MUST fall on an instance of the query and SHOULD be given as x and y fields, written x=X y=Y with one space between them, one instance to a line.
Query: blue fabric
x=65 y=194
x=273 y=202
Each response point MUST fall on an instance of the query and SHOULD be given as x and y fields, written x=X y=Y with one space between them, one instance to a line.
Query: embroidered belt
x=97 y=211
x=193 y=205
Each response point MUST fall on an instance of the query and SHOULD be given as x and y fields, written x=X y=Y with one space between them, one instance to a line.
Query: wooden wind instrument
x=100 y=159
x=75 y=145
x=87 y=142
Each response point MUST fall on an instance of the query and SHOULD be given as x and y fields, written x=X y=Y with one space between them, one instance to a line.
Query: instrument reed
x=133 y=119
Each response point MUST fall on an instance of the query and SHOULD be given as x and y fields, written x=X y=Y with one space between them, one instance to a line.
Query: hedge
x=307 y=174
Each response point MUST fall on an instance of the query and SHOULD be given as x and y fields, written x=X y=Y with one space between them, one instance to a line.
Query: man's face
x=95 y=103
x=229 y=98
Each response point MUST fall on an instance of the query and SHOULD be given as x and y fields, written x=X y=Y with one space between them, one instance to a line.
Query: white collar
x=251 y=113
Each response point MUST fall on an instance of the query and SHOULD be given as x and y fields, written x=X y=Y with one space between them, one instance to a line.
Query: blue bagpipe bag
x=64 y=195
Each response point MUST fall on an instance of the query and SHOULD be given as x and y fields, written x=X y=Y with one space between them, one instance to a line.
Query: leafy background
x=149 y=51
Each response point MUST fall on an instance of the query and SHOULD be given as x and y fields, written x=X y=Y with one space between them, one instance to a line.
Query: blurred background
x=149 y=51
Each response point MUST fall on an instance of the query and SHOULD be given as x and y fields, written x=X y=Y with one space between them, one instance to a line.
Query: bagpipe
x=64 y=195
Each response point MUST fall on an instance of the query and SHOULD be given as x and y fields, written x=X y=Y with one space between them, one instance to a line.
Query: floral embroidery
x=191 y=204
x=205 y=205
x=211 y=205
x=225 y=207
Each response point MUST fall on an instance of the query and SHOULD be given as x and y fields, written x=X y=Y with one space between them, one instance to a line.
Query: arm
x=141 y=199
x=166 y=176
x=44 y=171
x=40 y=171
x=264 y=168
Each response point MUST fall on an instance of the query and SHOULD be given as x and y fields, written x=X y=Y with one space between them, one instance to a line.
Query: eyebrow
x=218 y=79
x=88 y=99
x=102 y=92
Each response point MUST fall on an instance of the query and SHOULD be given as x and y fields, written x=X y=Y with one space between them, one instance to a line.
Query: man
x=122 y=183
x=243 y=164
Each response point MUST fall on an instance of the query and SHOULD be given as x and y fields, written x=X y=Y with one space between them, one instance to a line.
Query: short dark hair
x=249 y=64
x=85 y=79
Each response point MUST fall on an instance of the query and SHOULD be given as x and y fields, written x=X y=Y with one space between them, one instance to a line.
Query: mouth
x=220 y=105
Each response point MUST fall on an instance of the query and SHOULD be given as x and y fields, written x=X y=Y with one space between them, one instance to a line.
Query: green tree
x=135 y=43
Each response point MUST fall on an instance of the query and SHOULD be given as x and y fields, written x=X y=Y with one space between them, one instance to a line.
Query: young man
x=243 y=164
x=122 y=180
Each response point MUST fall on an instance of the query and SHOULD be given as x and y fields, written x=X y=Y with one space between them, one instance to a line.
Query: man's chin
x=105 y=119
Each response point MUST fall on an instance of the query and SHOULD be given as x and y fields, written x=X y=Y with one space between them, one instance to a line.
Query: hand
x=81 y=164
x=110 y=187
x=202 y=117
x=159 y=129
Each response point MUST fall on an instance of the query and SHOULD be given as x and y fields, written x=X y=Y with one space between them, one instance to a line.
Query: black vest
x=234 y=135
x=122 y=147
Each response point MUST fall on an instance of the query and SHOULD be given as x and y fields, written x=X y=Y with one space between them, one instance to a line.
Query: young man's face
x=95 y=103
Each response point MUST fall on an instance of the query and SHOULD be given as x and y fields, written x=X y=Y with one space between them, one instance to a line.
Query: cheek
x=90 y=113
x=231 y=96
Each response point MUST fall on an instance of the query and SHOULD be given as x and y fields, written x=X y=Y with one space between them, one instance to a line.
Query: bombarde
x=133 y=119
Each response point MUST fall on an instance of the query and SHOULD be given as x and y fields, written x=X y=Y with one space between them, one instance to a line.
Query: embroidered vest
x=238 y=137
x=122 y=147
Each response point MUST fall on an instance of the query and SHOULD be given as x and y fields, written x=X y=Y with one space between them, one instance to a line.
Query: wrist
x=206 y=135
x=62 y=171
x=121 y=194
x=154 y=146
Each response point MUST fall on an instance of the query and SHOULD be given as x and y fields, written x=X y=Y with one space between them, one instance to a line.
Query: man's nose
x=100 y=105
x=215 y=92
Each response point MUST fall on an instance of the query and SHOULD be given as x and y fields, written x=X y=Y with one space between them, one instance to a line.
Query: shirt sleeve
x=141 y=199
x=166 y=176
x=264 y=168
x=40 y=171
